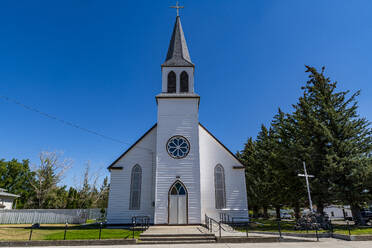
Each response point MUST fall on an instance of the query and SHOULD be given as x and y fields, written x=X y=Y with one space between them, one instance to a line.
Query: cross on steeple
x=178 y=8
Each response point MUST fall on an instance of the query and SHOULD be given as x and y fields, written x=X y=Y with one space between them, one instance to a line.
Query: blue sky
x=97 y=64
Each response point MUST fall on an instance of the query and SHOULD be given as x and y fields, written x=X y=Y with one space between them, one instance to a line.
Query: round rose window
x=178 y=147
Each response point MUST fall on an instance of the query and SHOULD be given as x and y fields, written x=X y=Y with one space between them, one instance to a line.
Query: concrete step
x=179 y=238
x=178 y=235
x=176 y=242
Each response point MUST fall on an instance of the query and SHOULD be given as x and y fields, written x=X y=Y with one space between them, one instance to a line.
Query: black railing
x=140 y=223
x=236 y=222
x=209 y=224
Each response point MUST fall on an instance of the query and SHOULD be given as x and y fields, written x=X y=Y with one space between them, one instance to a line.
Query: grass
x=354 y=230
x=288 y=226
x=56 y=232
x=272 y=226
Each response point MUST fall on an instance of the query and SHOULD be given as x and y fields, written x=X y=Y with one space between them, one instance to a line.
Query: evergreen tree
x=253 y=176
x=72 y=199
x=287 y=163
x=335 y=143
x=16 y=178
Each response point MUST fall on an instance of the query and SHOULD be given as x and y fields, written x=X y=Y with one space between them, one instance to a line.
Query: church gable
x=239 y=164
x=144 y=144
x=222 y=178
x=132 y=181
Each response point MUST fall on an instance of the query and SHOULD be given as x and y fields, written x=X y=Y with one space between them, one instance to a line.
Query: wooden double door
x=177 y=207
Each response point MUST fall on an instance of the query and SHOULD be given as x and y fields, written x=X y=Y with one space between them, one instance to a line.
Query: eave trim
x=238 y=167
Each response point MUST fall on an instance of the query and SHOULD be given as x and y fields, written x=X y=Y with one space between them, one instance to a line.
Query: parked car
x=367 y=215
x=285 y=216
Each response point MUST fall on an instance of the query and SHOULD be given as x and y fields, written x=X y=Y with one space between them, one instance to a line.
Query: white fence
x=48 y=216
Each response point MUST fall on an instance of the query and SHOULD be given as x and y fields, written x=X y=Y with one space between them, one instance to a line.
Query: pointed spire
x=178 y=53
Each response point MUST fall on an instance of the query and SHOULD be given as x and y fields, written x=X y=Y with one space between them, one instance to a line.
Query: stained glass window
x=178 y=147
x=178 y=189
x=219 y=185
x=135 y=188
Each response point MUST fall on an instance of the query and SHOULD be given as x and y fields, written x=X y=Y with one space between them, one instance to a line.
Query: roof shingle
x=178 y=53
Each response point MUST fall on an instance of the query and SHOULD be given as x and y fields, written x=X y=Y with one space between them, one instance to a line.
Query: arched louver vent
x=184 y=82
x=171 y=82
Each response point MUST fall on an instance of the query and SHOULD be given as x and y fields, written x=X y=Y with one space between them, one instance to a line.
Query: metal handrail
x=210 y=224
x=225 y=218
x=144 y=221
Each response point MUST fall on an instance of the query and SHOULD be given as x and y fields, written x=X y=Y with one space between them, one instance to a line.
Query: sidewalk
x=326 y=243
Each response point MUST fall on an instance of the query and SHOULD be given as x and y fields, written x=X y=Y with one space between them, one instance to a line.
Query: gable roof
x=130 y=148
x=148 y=131
x=3 y=192
x=219 y=142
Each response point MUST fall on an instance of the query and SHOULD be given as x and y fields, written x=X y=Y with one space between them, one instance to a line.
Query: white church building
x=177 y=172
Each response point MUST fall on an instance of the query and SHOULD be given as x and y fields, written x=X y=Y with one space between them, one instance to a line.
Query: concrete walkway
x=188 y=230
x=326 y=243
x=163 y=230
x=227 y=231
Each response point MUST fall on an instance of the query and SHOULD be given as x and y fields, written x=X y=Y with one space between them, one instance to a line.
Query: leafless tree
x=48 y=174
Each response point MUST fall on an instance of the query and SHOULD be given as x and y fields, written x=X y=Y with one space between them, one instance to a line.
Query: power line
x=68 y=123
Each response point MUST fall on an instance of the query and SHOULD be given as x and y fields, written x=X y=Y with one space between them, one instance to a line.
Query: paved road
x=326 y=243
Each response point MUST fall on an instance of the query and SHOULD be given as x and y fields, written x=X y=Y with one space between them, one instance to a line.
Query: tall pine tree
x=336 y=143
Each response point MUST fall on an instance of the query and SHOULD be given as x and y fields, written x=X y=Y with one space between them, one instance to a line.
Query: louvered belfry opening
x=184 y=82
x=172 y=82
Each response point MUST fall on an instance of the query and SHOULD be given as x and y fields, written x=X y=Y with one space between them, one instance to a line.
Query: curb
x=300 y=235
x=353 y=237
x=256 y=240
x=67 y=242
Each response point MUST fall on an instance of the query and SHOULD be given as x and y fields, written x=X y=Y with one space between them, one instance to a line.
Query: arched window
x=219 y=186
x=184 y=82
x=171 y=82
x=178 y=189
x=135 y=188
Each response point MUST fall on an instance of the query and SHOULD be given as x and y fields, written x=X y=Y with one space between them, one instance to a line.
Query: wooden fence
x=48 y=216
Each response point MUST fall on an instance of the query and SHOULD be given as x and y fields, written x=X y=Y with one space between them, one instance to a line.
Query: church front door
x=177 y=208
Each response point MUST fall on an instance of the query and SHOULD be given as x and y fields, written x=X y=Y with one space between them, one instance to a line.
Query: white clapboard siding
x=211 y=154
x=142 y=154
x=48 y=216
x=177 y=117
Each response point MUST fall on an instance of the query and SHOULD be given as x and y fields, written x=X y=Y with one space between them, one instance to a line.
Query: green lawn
x=342 y=229
x=288 y=226
x=272 y=226
x=56 y=232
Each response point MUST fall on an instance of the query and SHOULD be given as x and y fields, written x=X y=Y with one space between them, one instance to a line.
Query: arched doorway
x=177 y=204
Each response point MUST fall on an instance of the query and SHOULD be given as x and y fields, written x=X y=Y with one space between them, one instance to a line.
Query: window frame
x=220 y=190
x=135 y=188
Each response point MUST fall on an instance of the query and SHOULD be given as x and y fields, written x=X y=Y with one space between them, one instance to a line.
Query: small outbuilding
x=7 y=199
x=338 y=212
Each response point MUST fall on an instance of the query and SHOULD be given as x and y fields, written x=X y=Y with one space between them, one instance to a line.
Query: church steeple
x=178 y=53
x=178 y=70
